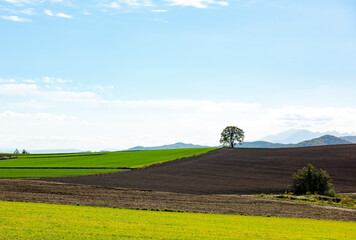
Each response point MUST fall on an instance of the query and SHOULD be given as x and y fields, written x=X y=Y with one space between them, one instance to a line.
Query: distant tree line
x=18 y=152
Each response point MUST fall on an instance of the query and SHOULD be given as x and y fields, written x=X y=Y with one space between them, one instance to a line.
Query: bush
x=311 y=180
x=347 y=201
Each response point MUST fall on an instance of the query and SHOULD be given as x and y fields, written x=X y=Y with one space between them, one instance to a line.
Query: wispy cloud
x=160 y=20
x=63 y=15
x=159 y=10
x=36 y=116
x=48 y=12
x=20 y=11
x=17 y=2
x=110 y=5
x=197 y=3
x=146 y=3
x=66 y=9
x=7 y=80
x=28 y=11
x=16 y=18
x=33 y=91
x=55 y=80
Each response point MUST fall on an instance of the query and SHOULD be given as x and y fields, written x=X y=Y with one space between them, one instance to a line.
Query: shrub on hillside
x=311 y=180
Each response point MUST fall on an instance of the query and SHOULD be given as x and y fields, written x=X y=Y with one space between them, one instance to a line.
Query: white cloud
x=16 y=19
x=47 y=79
x=19 y=11
x=48 y=12
x=110 y=5
x=320 y=119
x=187 y=105
x=55 y=80
x=7 y=80
x=197 y=3
x=60 y=80
x=17 y=2
x=40 y=130
x=101 y=87
x=159 y=10
x=36 y=116
x=34 y=91
x=28 y=11
x=160 y=20
x=17 y=7
x=63 y=15
x=146 y=3
x=29 y=81
x=18 y=89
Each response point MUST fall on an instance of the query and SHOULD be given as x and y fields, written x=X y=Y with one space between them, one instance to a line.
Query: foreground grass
x=45 y=221
x=26 y=173
x=128 y=159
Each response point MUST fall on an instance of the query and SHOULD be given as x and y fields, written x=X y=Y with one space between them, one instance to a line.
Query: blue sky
x=115 y=74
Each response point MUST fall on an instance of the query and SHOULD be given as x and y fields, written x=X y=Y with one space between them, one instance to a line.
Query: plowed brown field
x=234 y=171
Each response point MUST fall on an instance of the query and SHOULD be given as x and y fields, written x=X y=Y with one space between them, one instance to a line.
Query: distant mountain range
x=294 y=136
x=351 y=139
x=260 y=144
x=323 y=140
x=56 y=151
x=170 y=146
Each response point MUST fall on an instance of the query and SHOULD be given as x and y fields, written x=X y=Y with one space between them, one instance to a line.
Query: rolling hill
x=323 y=140
x=178 y=145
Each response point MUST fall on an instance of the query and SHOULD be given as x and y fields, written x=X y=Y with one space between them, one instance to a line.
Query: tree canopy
x=232 y=135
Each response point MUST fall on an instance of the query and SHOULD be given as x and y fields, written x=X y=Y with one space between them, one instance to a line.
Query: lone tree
x=311 y=180
x=232 y=135
x=16 y=151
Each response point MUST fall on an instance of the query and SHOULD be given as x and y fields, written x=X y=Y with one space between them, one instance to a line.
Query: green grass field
x=131 y=159
x=26 y=173
x=45 y=221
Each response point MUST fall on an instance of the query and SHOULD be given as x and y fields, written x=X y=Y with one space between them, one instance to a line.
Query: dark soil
x=58 y=193
x=6 y=157
x=235 y=171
